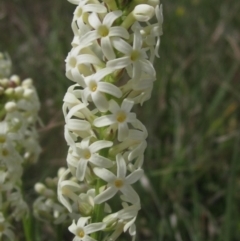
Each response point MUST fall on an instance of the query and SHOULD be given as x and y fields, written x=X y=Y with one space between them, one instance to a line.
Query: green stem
x=27 y=226
x=99 y=208
x=98 y=211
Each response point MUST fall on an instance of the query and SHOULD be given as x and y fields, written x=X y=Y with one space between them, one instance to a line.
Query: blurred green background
x=192 y=185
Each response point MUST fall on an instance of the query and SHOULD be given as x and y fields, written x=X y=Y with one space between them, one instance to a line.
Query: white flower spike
x=111 y=65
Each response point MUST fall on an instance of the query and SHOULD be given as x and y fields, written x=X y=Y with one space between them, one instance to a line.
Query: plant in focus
x=18 y=143
x=111 y=63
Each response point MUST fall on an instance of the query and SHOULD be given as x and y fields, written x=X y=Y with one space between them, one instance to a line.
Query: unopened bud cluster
x=47 y=206
x=19 y=105
x=111 y=63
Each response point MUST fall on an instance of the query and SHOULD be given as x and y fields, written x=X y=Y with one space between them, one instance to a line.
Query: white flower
x=120 y=116
x=135 y=59
x=84 y=6
x=78 y=63
x=135 y=142
x=74 y=107
x=104 y=31
x=89 y=153
x=81 y=230
x=95 y=88
x=66 y=190
x=118 y=182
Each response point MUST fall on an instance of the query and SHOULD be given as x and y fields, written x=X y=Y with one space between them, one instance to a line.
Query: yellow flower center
x=118 y=183
x=93 y=86
x=103 y=31
x=121 y=117
x=135 y=55
x=81 y=233
x=87 y=154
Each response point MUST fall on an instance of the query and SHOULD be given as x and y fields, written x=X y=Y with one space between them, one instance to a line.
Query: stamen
x=121 y=117
x=135 y=55
x=81 y=233
x=118 y=183
x=103 y=31
x=93 y=86
x=87 y=154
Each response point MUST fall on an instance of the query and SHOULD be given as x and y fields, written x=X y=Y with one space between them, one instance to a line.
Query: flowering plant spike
x=18 y=143
x=111 y=65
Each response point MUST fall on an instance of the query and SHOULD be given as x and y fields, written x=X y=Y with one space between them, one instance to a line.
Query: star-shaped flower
x=105 y=32
x=120 y=116
x=134 y=59
x=81 y=230
x=119 y=182
x=96 y=88
x=86 y=152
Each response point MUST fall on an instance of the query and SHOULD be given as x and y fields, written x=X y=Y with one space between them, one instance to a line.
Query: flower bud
x=9 y=92
x=39 y=187
x=28 y=93
x=15 y=79
x=10 y=106
x=27 y=82
x=143 y=12
x=19 y=91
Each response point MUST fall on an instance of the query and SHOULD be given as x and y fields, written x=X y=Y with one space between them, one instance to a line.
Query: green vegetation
x=192 y=163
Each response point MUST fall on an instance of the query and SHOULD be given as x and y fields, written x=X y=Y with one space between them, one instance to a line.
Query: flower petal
x=119 y=63
x=122 y=131
x=137 y=40
x=113 y=106
x=122 y=46
x=82 y=221
x=101 y=161
x=104 y=174
x=73 y=227
x=134 y=176
x=98 y=145
x=94 y=20
x=118 y=32
x=107 y=48
x=110 y=89
x=81 y=169
x=100 y=74
x=111 y=17
x=93 y=227
x=104 y=121
x=127 y=105
x=105 y=195
x=100 y=101
x=128 y=191
x=85 y=143
x=121 y=166
x=96 y=8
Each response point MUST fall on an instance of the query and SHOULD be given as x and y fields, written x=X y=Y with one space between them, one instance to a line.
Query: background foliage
x=192 y=184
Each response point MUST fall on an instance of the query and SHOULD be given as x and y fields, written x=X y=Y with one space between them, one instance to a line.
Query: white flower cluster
x=18 y=145
x=111 y=63
x=47 y=207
